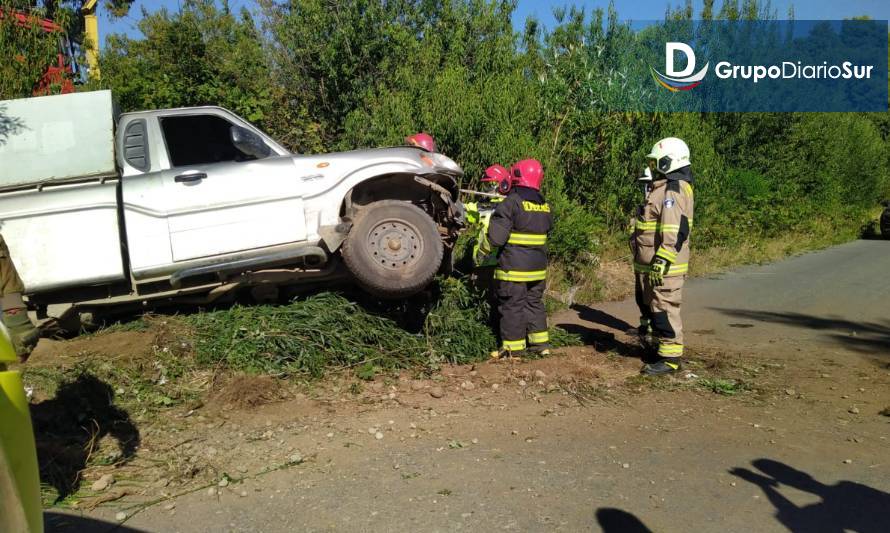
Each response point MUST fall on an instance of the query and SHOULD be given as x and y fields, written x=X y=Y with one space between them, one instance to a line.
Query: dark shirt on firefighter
x=520 y=218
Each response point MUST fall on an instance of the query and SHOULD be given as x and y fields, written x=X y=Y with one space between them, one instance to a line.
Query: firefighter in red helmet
x=498 y=179
x=422 y=140
x=495 y=183
x=519 y=227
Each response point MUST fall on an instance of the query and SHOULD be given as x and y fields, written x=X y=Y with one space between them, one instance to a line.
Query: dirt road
x=511 y=447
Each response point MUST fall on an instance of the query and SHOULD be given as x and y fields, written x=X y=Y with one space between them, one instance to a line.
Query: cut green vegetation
x=726 y=387
x=328 y=331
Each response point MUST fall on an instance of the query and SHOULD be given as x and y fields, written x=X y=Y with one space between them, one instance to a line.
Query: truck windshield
x=200 y=140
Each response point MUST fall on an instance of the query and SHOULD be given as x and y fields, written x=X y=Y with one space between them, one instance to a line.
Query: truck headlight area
x=791 y=70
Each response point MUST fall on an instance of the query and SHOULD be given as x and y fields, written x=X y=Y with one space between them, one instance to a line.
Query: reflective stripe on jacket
x=519 y=226
x=663 y=225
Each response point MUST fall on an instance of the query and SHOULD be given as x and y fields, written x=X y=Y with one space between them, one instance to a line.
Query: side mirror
x=249 y=142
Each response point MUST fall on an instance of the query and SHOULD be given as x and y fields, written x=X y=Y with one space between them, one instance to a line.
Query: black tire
x=393 y=249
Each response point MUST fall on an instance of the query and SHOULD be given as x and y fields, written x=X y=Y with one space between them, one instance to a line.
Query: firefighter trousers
x=11 y=287
x=642 y=303
x=522 y=314
x=664 y=304
x=483 y=282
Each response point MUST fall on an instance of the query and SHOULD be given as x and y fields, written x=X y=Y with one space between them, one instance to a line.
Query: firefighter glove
x=658 y=270
x=483 y=250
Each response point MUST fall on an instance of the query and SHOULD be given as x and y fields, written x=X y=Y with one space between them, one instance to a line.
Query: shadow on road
x=867 y=337
x=601 y=317
x=62 y=523
x=603 y=341
x=845 y=506
x=68 y=429
x=617 y=521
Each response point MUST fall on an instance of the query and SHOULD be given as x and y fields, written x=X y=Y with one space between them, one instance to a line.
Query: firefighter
x=22 y=332
x=519 y=227
x=644 y=330
x=422 y=140
x=661 y=255
x=497 y=179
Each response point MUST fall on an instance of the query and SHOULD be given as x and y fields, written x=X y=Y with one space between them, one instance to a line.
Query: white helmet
x=646 y=177
x=669 y=154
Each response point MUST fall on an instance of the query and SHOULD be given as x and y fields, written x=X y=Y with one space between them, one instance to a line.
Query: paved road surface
x=665 y=461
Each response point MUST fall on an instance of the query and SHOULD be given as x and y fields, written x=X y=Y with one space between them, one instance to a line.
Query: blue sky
x=543 y=10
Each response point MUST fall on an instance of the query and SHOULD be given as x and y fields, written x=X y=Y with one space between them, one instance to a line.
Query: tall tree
x=202 y=55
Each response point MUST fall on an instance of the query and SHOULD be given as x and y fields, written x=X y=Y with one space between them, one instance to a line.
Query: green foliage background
x=321 y=75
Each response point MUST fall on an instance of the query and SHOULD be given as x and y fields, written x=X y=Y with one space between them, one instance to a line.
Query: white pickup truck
x=199 y=203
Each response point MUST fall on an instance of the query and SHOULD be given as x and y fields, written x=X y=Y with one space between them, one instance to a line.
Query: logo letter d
x=670 y=50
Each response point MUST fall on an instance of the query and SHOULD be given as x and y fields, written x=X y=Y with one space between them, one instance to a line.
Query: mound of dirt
x=123 y=346
x=243 y=391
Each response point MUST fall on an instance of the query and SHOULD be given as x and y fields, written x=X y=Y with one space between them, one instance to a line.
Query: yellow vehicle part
x=91 y=32
x=20 y=508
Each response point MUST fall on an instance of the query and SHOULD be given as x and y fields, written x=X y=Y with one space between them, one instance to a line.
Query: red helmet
x=500 y=175
x=422 y=140
x=528 y=173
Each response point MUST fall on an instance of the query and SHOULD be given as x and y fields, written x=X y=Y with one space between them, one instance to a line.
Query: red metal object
x=58 y=74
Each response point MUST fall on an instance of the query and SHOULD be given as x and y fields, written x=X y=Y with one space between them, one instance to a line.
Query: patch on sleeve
x=668 y=203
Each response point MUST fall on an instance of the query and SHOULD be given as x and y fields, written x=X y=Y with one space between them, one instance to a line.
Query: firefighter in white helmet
x=644 y=330
x=661 y=251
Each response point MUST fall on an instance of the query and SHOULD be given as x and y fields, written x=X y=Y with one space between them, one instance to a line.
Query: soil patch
x=117 y=346
x=244 y=391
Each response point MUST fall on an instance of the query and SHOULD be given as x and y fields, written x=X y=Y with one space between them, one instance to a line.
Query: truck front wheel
x=393 y=249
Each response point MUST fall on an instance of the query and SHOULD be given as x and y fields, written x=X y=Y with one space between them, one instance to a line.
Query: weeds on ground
x=141 y=323
x=89 y=415
x=715 y=373
x=726 y=387
x=584 y=392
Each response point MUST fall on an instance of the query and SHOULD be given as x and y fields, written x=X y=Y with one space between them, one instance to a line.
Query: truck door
x=220 y=200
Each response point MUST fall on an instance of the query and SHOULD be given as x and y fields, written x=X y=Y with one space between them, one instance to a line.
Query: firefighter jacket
x=519 y=226
x=484 y=255
x=489 y=257
x=663 y=224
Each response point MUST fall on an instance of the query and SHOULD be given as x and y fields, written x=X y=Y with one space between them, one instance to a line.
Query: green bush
x=574 y=239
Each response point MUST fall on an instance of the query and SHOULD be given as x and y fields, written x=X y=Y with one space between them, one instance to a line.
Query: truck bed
x=56 y=138
x=64 y=235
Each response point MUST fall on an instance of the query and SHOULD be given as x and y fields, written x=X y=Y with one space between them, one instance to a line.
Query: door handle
x=190 y=178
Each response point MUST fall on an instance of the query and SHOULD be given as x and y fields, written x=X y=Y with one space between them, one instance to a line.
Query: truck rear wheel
x=393 y=249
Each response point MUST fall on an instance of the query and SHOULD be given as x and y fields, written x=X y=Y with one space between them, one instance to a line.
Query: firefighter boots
x=664 y=365
x=22 y=332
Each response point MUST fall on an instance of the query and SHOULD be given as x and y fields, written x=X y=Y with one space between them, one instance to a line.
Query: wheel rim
x=395 y=244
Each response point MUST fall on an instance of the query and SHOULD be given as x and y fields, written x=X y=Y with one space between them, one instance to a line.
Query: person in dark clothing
x=519 y=227
x=22 y=332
